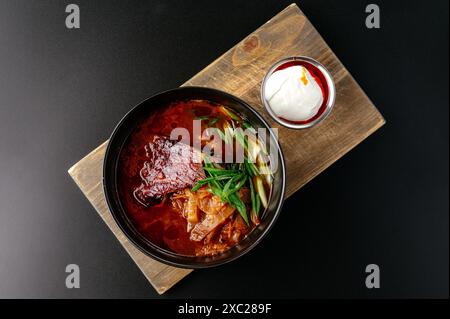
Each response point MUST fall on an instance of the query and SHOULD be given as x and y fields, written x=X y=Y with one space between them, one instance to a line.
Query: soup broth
x=185 y=212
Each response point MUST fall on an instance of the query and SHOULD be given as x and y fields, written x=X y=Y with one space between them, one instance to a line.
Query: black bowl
x=120 y=136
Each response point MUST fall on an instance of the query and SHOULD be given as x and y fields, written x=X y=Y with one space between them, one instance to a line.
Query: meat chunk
x=171 y=166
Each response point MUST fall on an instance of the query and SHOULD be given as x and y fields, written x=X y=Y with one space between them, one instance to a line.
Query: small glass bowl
x=330 y=87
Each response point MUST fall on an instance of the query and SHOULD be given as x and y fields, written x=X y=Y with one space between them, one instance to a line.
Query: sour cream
x=293 y=94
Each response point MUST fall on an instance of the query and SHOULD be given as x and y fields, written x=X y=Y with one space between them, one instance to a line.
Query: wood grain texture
x=240 y=72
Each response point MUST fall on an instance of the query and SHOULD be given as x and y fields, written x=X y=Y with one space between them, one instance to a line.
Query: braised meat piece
x=169 y=168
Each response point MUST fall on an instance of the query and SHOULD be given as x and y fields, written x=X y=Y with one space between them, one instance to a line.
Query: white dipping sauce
x=293 y=94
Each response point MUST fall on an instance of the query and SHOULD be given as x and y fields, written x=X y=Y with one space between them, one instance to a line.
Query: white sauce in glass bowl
x=293 y=94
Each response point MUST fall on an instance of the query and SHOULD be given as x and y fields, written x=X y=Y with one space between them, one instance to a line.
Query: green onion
x=226 y=180
x=204 y=181
x=221 y=135
x=202 y=118
x=251 y=168
x=198 y=185
x=239 y=205
x=217 y=190
x=247 y=125
x=213 y=121
x=240 y=138
x=226 y=187
x=239 y=184
x=258 y=205
x=230 y=114
x=221 y=171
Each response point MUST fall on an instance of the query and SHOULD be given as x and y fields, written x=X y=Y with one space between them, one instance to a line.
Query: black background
x=62 y=91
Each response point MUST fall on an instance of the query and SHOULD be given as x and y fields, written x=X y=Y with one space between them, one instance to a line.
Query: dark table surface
x=62 y=91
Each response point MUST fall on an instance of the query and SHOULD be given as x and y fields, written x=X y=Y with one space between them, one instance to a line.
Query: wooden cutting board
x=240 y=72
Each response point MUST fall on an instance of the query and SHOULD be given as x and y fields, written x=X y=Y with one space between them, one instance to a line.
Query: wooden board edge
x=74 y=166
x=159 y=289
x=163 y=289
x=341 y=154
x=292 y=5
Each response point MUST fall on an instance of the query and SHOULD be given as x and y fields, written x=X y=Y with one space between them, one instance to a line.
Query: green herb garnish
x=213 y=121
x=201 y=118
x=226 y=180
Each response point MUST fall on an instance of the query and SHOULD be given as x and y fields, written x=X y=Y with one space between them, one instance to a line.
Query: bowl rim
x=195 y=264
x=331 y=92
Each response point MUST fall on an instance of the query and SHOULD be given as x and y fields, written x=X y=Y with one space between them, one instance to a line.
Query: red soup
x=183 y=206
